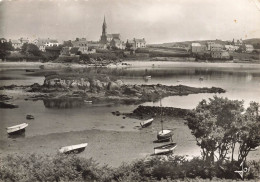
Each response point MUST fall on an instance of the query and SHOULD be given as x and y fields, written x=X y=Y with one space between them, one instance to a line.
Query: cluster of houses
x=218 y=50
x=113 y=41
x=82 y=45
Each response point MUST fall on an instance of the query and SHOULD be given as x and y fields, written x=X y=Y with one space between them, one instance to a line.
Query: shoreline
x=106 y=147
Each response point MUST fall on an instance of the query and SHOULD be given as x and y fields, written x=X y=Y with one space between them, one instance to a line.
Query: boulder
x=119 y=82
x=112 y=86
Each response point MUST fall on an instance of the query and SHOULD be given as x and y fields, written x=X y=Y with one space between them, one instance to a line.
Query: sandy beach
x=106 y=147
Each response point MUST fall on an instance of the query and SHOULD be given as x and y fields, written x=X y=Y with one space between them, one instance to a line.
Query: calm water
x=241 y=82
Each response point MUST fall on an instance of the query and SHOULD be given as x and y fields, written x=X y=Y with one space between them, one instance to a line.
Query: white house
x=137 y=43
x=249 y=48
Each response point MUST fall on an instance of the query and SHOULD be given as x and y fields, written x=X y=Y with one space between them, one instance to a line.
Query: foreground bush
x=73 y=168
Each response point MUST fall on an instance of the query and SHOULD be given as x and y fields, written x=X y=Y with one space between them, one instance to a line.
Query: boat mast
x=161 y=114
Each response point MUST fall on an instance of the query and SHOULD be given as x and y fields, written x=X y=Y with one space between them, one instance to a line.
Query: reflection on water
x=63 y=103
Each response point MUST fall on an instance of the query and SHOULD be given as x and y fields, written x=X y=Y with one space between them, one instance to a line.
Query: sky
x=158 y=21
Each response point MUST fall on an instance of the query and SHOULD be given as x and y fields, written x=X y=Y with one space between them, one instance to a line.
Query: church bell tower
x=103 y=38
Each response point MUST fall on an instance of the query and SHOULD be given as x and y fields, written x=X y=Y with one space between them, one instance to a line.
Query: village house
x=43 y=43
x=231 y=48
x=16 y=44
x=212 y=46
x=24 y=40
x=110 y=37
x=82 y=42
x=197 y=48
x=137 y=43
x=249 y=48
x=220 y=55
x=238 y=42
x=116 y=43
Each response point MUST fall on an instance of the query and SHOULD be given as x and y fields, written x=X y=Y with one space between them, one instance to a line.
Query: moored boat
x=29 y=116
x=88 y=101
x=165 y=149
x=73 y=148
x=16 y=129
x=148 y=77
x=146 y=123
x=164 y=134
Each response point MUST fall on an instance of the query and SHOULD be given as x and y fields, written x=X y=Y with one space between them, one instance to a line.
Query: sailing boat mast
x=161 y=114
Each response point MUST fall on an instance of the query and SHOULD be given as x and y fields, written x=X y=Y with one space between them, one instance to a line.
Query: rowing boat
x=146 y=123
x=73 y=148
x=17 y=129
x=165 y=149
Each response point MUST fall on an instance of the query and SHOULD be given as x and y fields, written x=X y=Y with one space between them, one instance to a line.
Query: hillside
x=187 y=43
x=252 y=41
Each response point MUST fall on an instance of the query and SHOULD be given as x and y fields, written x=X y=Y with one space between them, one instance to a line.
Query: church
x=114 y=40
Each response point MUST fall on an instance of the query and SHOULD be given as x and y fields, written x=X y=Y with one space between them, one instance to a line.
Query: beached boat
x=88 y=101
x=17 y=129
x=146 y=123
x=165 y=149
x=73 y=148
x=164 y=134
x=29 y=116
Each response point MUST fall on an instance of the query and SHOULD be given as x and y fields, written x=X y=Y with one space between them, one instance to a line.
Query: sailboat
x=164 y=134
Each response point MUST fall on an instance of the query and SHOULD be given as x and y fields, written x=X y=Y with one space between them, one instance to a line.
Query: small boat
x=28 y=116
x=17 y=129
x=165 y=149
x=146 y=123
x=88 y=101
x=164 y=134
x=73 y=148
x=27 y=70
x=148 y=77
x=254 y=149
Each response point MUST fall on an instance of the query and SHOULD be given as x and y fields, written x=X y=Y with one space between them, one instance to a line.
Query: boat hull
x=18 y=129
x=73 y=148
x=164 y=135
x=165 y=149
x=146 y=123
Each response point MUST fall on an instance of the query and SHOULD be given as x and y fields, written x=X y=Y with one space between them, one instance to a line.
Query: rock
x=112 y=86
x=119 y=83
x=35 y=87
x=130 y=91
x=7 y=106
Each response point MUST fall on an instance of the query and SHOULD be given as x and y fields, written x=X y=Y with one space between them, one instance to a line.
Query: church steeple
x=103 y=38
x=104 y=27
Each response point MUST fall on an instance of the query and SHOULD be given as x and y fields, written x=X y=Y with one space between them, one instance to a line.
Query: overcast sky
x=157 y=21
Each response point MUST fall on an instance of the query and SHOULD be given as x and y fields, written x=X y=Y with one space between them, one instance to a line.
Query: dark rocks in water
x=63 y=103
x=156 y=111
x=9 y=87
x=7 y=105
x=35 y=87
x=4 y=97
x=117 y=113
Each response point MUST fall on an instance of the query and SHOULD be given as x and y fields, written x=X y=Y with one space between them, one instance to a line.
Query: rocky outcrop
x=4 y=105
x=91 y=85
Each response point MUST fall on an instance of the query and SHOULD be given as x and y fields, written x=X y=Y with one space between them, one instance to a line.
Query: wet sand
x=106 y=147
x=109 y=147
